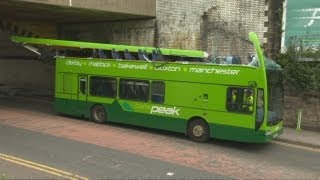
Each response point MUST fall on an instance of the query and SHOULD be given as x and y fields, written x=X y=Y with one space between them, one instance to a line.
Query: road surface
x=77 y=148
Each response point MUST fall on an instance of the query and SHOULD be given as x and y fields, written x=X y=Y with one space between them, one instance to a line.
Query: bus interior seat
x=146 y=55
x=143 y=55
x=155 y=55
x=181 y=59
x=233 y=60
x=128 y=55
x=102 y=54
x=140 y=55
x=238 y=60
x=94 y=53
x=198 y=60
x=115 y=54
x=229 y=59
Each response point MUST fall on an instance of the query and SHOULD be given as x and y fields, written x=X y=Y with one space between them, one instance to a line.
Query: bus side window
x=83 y=85
x=157 y=91
x=233 y=99
x=137 y=90
x=103 y=87
x=240 y=100
x=260 y=106
x=248 y=101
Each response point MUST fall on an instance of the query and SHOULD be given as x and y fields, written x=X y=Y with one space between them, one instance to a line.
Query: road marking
x=41 y=167
x=297 y=146
x=170 y=174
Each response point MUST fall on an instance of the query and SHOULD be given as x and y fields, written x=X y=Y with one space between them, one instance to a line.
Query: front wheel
x=98 y=114
x=198 y=130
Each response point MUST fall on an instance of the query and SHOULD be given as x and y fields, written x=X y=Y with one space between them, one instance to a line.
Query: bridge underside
x=77 y=11
x=109 y=21
x=51 y=18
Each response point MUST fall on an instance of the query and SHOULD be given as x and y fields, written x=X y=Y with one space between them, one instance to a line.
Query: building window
x=134 y=89
x=103 y=87
x=157 y=91
x=240 y=100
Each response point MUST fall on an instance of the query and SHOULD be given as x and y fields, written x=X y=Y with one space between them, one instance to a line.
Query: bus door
x=82 y=88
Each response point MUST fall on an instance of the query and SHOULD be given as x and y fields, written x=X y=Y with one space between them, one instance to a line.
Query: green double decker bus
x=170 y=89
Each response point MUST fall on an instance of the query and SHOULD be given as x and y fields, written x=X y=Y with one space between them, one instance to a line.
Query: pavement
x=300 y=137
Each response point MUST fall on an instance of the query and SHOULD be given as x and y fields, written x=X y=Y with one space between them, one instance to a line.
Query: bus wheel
x=98 y=114
x=198 y=130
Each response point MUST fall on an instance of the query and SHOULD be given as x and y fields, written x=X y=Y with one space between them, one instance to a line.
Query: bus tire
x=98 y=114
x=198 y=130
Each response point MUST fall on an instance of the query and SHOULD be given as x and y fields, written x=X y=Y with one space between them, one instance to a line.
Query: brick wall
x=228 y=25
x=310 y=105
x=211 y=25
x=179 y=22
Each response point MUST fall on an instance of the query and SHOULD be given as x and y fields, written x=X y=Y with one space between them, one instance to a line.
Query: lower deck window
x=157 y=92
x=240 y=100
x=103 y=86
x=134 y=89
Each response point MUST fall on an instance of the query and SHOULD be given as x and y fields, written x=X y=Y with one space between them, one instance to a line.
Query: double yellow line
x=314 y=149
x=40 y=167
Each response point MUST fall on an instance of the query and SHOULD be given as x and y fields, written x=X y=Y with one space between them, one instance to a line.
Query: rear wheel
x=98 y=114
x=198 y=130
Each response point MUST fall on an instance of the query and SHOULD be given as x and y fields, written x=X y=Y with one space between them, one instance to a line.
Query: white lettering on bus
x=73 y=63
x=168 y=68
x=164 y=110
x=99 y=64
x=132 y=66
x=214 y=71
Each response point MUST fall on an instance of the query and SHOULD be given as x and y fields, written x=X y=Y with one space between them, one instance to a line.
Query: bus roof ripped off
x=171 y=89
